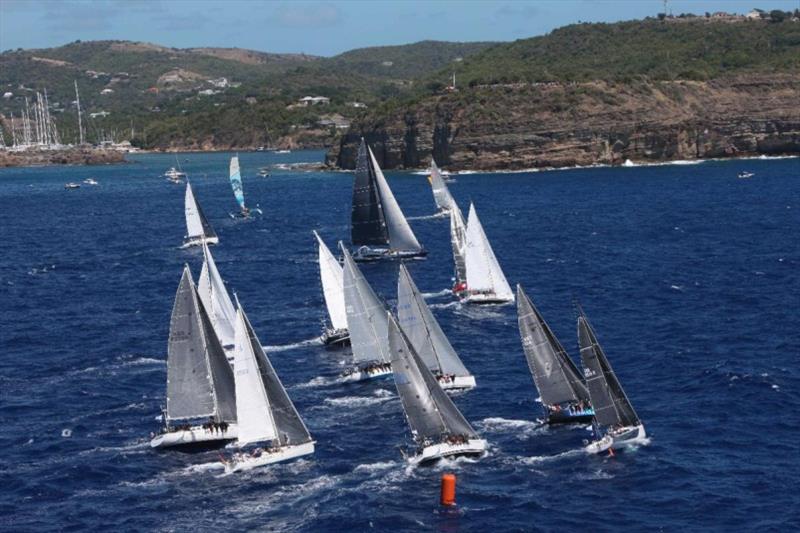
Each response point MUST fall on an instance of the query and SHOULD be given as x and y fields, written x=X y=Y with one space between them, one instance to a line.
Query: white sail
x=400 y=235
x=483 y=271
x=215 y=299
x=253 y=412
x=458 y=239
x=441 y=194
x=194 y=224
x=330 y=272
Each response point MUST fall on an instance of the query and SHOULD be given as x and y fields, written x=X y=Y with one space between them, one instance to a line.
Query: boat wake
x=379 y=396
x=521 y=428
x=319 y=381
x=428 y=217
x=314 y=341
x=538 y=459
x=448 y=305
x=443 y=292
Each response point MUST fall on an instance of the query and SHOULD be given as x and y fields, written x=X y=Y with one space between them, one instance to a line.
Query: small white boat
x=242 y=461
x=744 y=174
x=263 y=172
x=90 y=181
x=174 y=175
x=283 y=151
x=72 y=185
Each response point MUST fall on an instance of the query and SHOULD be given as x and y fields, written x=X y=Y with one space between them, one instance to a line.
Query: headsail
x=554 y=373
x=483 y=270
x=423 y=331
x=367 y=220
x=199 y=380
x=400 y=235
x=441 y=194
x=196 y=222
x=366 y=315
x=430 y=412
x=458 y=238
x=331 y=274
x=216 y=300
x=611 y=405
x=236 y=181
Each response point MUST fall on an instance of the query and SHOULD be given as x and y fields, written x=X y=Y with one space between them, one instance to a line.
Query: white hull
x=444 y=449
x=198 y=241
x=485 y=298
x=362 y=375
x=457 y=383
x=285 y=453
x=629 y=436
x=365 y=253
x=193 y=435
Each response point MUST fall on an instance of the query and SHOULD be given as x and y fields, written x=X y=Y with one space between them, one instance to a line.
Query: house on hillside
x=335 y=120
x=755 y=14
x=220 y=83
x=107 y=91
x=314 y=100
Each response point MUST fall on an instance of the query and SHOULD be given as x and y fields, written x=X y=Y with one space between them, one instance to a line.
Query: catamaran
x=563 y=393
x=200 y=383
x=438 y=427
x=330 y=272
x=379 y=228
x=264 y=411
x=198 y=230
x=427 y=337
x=486 y=283
x=616 y=423
x=458 y=239
x=441 y=194
x=217 y=303
x=238 y=191
x=366 y=321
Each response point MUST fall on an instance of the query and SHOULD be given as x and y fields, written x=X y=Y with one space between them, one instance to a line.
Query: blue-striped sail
x=236 y=182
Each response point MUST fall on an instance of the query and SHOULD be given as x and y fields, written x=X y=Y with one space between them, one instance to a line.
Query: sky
x=319 y=27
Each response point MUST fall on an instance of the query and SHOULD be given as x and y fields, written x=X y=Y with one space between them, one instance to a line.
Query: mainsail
x=441 y=194
x=331 y=274
x=366 y=315
x=200 y=382
x=265 y=412
x=554 y=373
x=458 y=238
x=423 y=331
x=483 y=271
x=611 y=405
x=216 y=300
x=236 y=181
x=400 y=235
x=197 y=225
x=430 y=412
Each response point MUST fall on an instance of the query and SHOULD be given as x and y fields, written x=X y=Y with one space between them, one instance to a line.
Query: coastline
x=68 y=156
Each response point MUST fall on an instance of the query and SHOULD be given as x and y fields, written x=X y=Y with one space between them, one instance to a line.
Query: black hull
x=198 y=447
x=385 y=255
x=566 y=418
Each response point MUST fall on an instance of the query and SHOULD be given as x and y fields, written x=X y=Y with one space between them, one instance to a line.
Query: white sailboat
x=265 y=413
x=486 y=283
x=331 y=275
x=217 y=302
x=175 y=174
x=379 y=228
x=366 y=320
x=198 y=230
x=427 y=337
x=200 y=383
x=458 y=240
x=441 y=194
x=235 y=176
x=438 y=427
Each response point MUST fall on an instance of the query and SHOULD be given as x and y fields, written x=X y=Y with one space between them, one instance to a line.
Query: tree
x=776 y=15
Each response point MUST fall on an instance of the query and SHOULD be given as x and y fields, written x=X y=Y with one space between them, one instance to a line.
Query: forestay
x=400 y=235
x=554 y=373
x=216 y=300
x=236 y=181
x=368 y=226
x=458 y=238
x=331 y=275
x=611 y=405
x=199 y=380
x=423 y=331
x=483 y=271
x=441 y=194
x=196 y=223
x=430 y=412
x=366 y=315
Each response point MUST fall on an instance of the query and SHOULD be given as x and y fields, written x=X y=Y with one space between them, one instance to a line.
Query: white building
x=314 y=100
x=107 y=91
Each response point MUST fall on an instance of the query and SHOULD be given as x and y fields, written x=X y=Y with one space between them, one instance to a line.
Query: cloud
x=307 y=15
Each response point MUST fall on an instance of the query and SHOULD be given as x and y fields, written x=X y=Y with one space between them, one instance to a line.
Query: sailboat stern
x=456 y=383
x=365 y=253
x=188 y=242
x=485 y=298
x=441 y=450
x=261 y=457
x=624 y=437
x=196 y=438
x=336 y=338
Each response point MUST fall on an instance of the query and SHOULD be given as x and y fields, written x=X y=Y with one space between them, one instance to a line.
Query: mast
x=80 y=122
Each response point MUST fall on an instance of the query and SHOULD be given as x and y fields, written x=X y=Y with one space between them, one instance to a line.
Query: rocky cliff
x=70 y=156
x=527 y=125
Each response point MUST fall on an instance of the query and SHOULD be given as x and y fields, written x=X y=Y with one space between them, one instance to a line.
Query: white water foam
x=520 y=428
x=427 y=217
x=314 y=341
x=443 y=292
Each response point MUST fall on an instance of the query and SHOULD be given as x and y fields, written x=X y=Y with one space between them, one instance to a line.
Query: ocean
x=688 y=274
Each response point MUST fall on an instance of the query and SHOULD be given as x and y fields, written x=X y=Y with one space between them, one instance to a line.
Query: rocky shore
x=71 y=156
x=518 y=126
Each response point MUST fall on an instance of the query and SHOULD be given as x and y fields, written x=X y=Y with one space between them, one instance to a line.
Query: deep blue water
x=688 y=274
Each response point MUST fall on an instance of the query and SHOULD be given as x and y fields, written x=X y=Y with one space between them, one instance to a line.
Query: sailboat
x=198 y=230
x=427 y=337
x=379 y=228
x=331 y=275
x=564 y=395
x=217 y=303
x=458 y=239
x=438 y=427
x=175 y=174
x=238 y=191
x=200 y=383
x=441 y=194
x=616 y=423
x=264 y=411
x=366 y=321
x=486 y=283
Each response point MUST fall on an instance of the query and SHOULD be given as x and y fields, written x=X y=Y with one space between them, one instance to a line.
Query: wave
x=144 y=361
x=537 y=459
x=448 y=305
x=314 y=341
x=443 y=292
x=427 y=217
x=319 y=381
x=375 y=467
x=521 y=428
x=360 y=401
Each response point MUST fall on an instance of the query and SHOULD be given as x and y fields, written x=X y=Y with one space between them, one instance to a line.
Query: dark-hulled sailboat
x=438 y=427
x=564 y=395
x=379 y=228
x=200 y=385
x=616 y=423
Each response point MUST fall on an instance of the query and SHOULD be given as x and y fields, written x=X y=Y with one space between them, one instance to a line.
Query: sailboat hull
x=434 y=452
x=364 y=375
x=195 y=437
x=483 y=298
x=565 y=417
x=626 y=437
x=366 y=253
x=284 y=453
x=456 y=382
x=198 y=241
x=338 y=338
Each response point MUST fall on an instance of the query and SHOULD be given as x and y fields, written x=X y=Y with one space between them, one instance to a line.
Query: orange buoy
x=448 y=489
